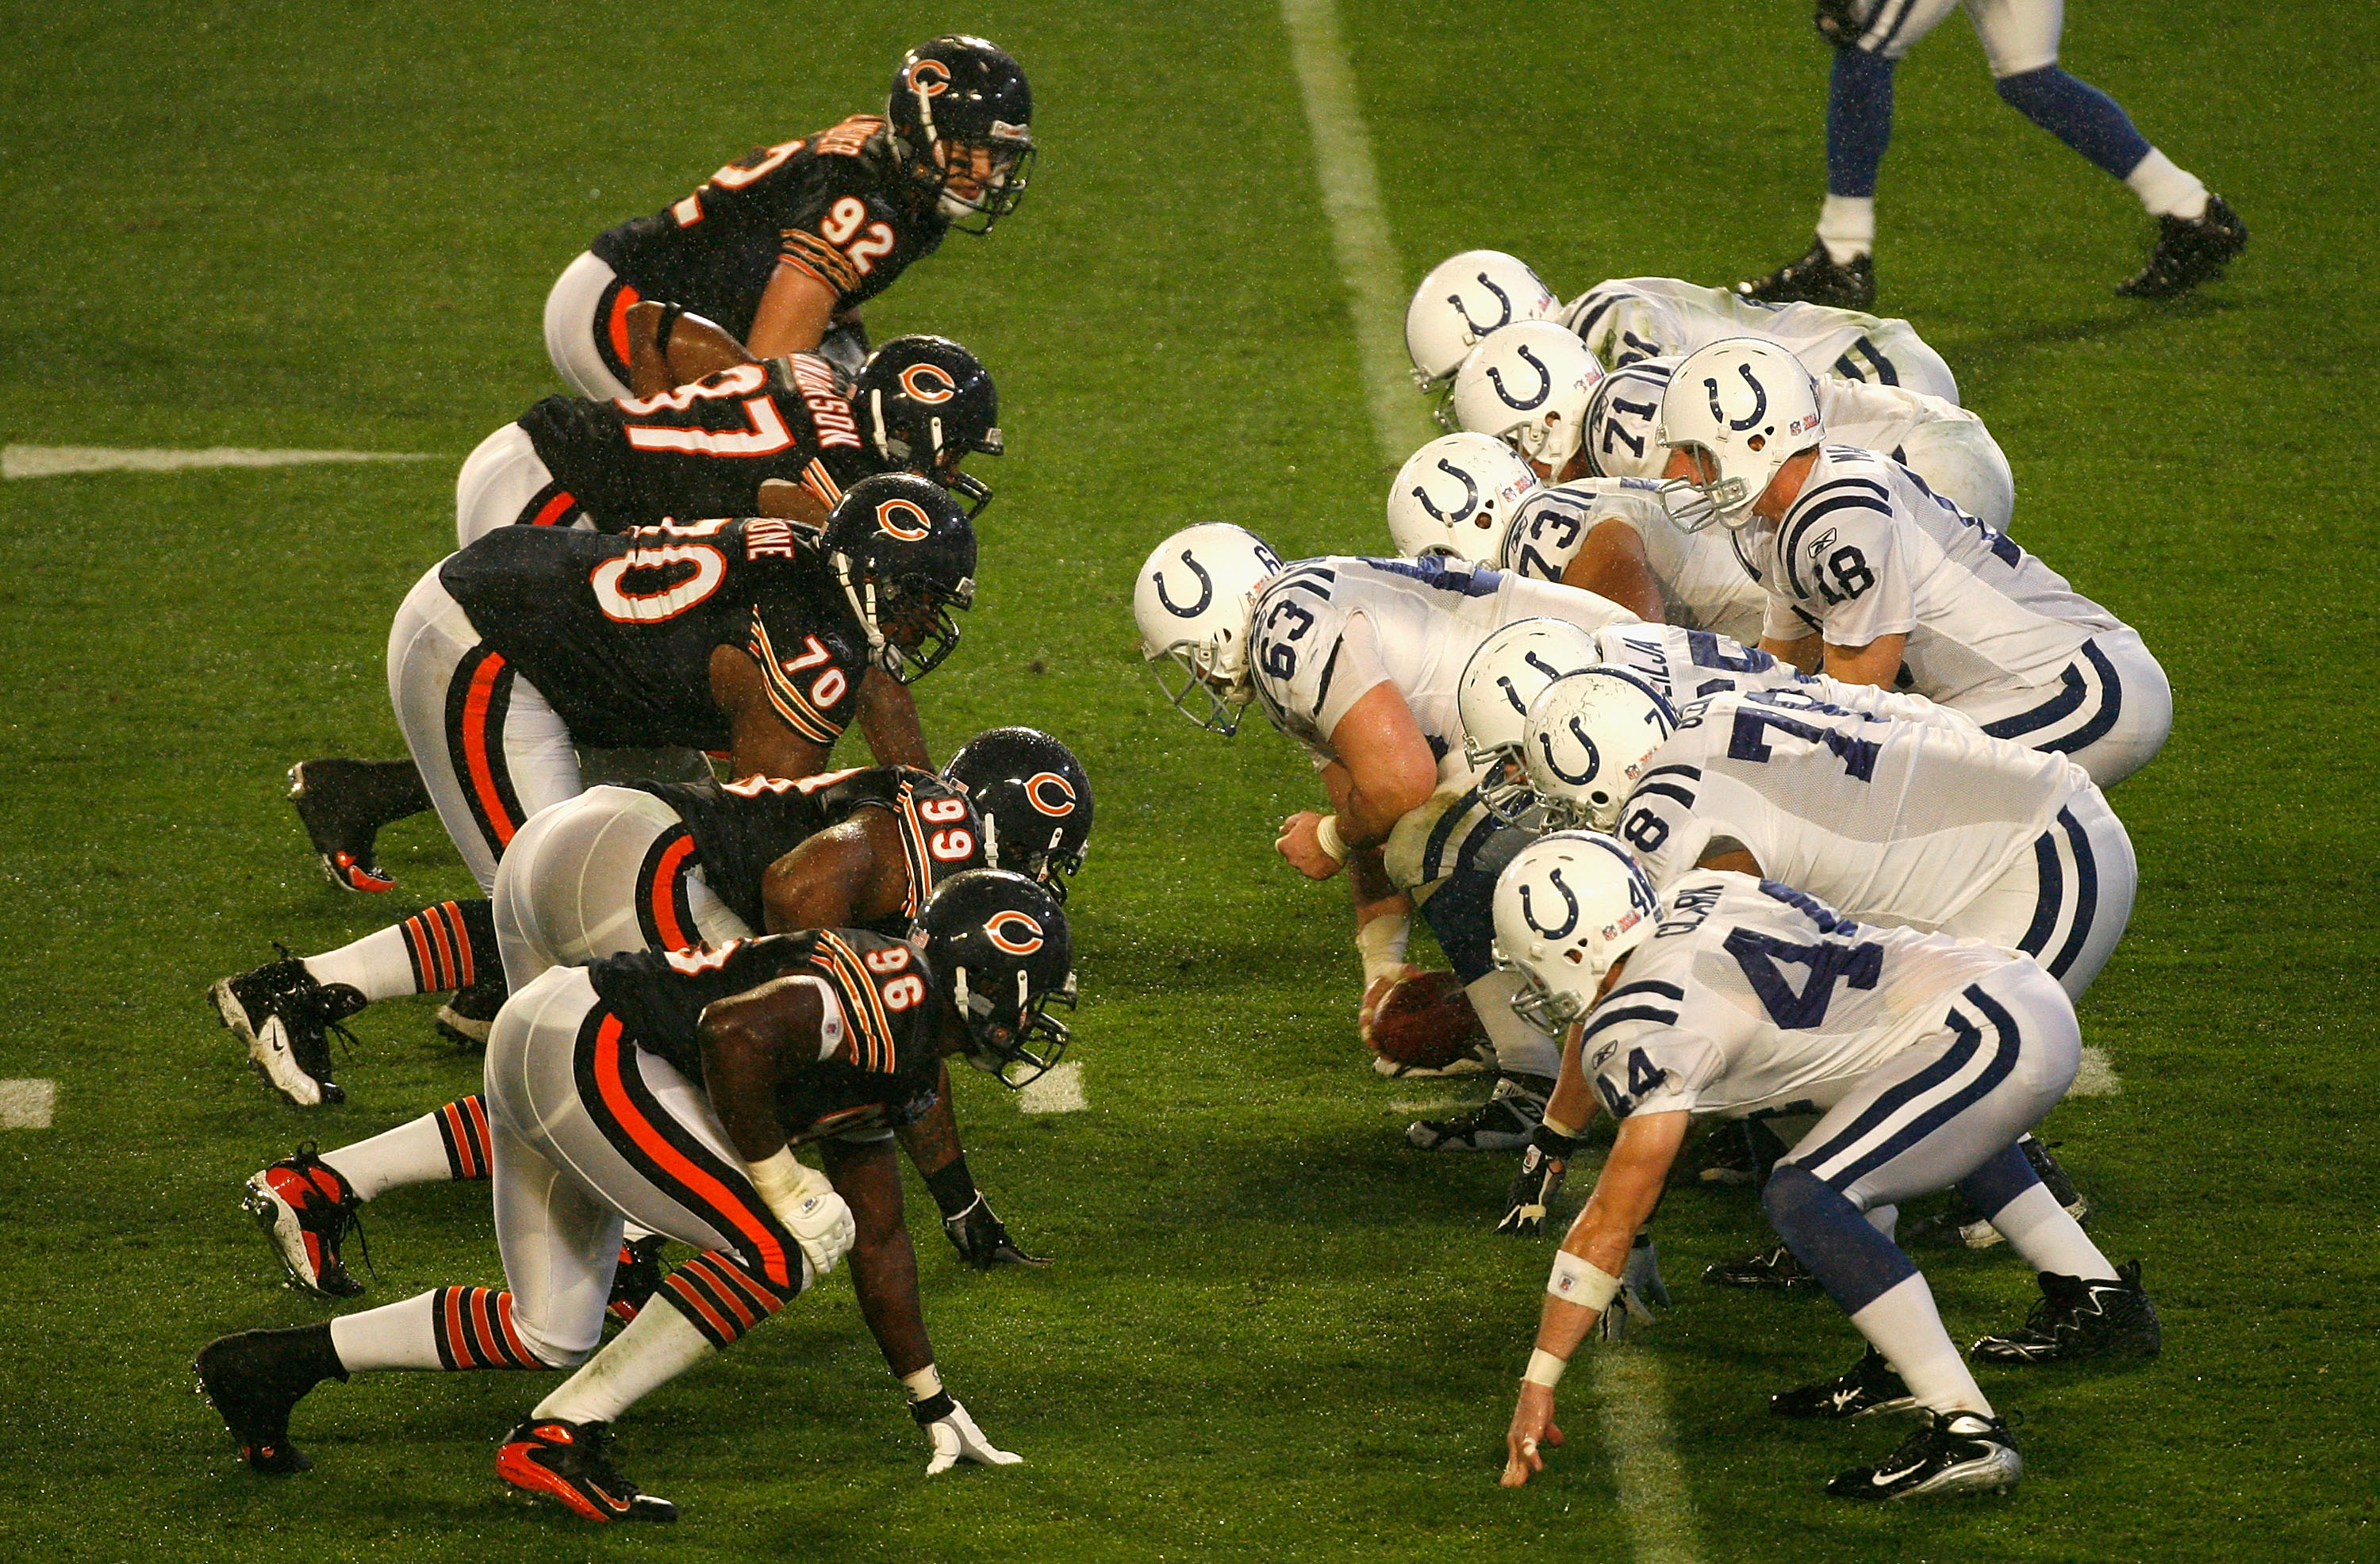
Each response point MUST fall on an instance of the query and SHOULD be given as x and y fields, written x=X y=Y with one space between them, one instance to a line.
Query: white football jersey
x=1687 y=665
x=1875 y=417
x=1902 y=822
x=1868 y=549
x=1326 y=630
x=1751 y=996
x=1703 y=584
x=1629 y=318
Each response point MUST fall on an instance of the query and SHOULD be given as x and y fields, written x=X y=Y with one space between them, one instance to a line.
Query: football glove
x=956 y=1438
x=1640 y=1287
x=803 y=1199
x=1543 y=1164
x=981 y=1238
x=1839 y=22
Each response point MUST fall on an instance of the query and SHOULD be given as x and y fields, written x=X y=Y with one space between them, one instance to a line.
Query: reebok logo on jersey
x=1821 y=544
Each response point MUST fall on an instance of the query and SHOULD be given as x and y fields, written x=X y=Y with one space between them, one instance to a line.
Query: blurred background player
x=781 y=247
x=2198 y=234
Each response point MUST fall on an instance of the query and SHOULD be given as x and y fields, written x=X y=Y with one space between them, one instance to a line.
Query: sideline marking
x=1634 y=1407
x=27 y=1105
x=1057 y=1090
x=2097 y=1077
x=1359 y=232
x=54 y=461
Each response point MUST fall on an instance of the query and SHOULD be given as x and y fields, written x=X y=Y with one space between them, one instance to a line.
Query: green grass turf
x=1272 y=1332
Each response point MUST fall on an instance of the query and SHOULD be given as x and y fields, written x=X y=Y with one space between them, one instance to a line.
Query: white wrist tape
x=1575 y=1281
x=1327 y=837
x=1544 y=1369
x=782 y=1180
x=924 y=1384
x=1382 y=943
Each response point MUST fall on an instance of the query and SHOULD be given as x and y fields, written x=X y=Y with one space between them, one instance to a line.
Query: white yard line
x=2097 y=1077
x=1057 y=1090
x=1635 y=1406
x=27 y=1105
x=1359 y=232
x=53 y=461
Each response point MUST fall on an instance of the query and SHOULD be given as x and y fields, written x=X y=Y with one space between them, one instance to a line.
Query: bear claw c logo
x=1016 y=944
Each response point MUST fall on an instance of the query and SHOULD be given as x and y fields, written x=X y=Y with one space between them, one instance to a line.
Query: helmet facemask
x=1214 y=668
x=1000 y=1038
x=907 y=618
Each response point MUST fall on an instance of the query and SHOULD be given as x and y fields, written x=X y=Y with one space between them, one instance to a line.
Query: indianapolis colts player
x=1464 y=298
x=1357 y=659
x=1928 y=1057
x=1881 y=580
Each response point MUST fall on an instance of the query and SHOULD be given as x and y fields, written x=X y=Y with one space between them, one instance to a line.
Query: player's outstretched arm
x=1878 y=664
x=1803 y=652
x=751 y=1041
x=1383 y=772
x=884 y=1263
x=1611 y=564
x=888 y=720
x=842 y=878
x=973 y=1228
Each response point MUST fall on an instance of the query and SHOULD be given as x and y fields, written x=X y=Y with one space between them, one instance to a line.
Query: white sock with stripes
x=413 y=1153
x=1902 y=1324
x=378 y=965
x=658 y=1345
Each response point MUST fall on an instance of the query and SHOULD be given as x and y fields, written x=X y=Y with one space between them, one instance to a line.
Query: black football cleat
x=564 y=1462
x=253 y=1379
x=469 y=1015
x=1956 y=1452
x=305 y=1209
x=341 y=829
x=637 y=1276
x=1816 y=278
x=1869 y=1385
x=2188 y=253
x=1503 y=1123
x=286 y=1017
x=2078 y=1321
x=1774 y=1270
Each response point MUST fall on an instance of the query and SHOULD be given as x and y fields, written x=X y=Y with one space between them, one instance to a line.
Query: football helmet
x=1193 y=602
x=1000 y=944
x=926 y=402
x=1620 y=419
x=1586 y=741
x=1744 y=407
x=1567 y=906
x=1529 y=385
x=904 y=553
x=1455 y=495
x=961 y=118
x=1505 y=674
x=1035 y=801
x=1463 y=298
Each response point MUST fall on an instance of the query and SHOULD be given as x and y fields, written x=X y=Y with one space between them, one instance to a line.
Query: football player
x=1357 y=659
x=745 y=635
x=1881 y=581
x=2198 y=234
x=1464 y=298
x=1928 y=1057
x=666 y=866
x=788 y=241
x=672 y=1090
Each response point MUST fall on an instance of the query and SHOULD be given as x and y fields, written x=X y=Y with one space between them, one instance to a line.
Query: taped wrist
x=952 y=1187
x=1327 y=837
x=1544 y=1368
x=1575 y=1281
x=779 y=1179
x=928 y=1402
x=1382 y=943
x=1553 y=1141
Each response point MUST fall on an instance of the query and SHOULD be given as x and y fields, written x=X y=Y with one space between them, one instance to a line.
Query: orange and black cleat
x=334 y=803
x=564 y=1462
x=305 y=1209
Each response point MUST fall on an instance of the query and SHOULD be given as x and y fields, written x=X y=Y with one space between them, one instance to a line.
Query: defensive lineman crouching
x=671 y=1090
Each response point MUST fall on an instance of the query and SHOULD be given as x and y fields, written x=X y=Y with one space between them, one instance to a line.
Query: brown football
x=1426 y=1021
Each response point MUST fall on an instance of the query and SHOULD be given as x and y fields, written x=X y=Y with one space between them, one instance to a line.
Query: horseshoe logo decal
x=1759 y=404
x=1569 y=920
x=1545 y=388
x=1594 y=755
x=1477 y=329
x=1205 y=591
x=1470 y=494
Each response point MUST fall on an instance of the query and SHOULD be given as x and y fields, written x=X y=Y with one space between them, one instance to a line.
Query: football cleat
x=2188 y=253
x=253 y=1379
x=1776 y=1270
x=1956 y=1452
x=637 y=1275
x=2077 y=1320
x=306 y=1207
x=468 y=1016
x=1503 y=1123
x=1869 y=1385
x=342 y=834
x=564 y=1462
x=286 y=1017
x=1816 y=278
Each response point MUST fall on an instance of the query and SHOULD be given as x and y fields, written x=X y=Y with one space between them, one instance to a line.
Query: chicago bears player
x=739 y=635
x=1357 y=659
x=789 y=240
x=2198 y=234
x=1881 y=580
x=665 y=867
x=672 y=1090
x=1926 y=1056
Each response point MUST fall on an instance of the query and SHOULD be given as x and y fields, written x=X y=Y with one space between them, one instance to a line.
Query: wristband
x=1382 y=943
x=778 y=1180
x=1555 y=1126
x=1575 y=1281
x=1327 y=837
x=928 y=1402
x=952 y=1187
x=1544 y=1369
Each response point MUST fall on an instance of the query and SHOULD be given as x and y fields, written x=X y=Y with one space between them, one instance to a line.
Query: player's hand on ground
x=1298 y=844
x=1532 y=1430
x=1374 y=992
x=981 y=1238
x=956 y=1438
x=1543 y=1163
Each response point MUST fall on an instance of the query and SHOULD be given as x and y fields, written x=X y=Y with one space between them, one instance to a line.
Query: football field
x=1273 y=1330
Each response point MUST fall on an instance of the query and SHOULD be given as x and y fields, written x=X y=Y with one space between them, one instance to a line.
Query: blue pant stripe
x=2003 y=1060
x=2086 y=894
x=1881 y=1110
x=2052 y=900
x=2112 y=706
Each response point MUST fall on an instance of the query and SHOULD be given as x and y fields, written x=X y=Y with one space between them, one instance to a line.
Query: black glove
x=1640 y=1287
x=1539 y=1179
x=981 y=1238
x=1839 y=22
